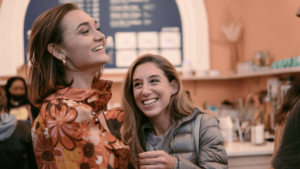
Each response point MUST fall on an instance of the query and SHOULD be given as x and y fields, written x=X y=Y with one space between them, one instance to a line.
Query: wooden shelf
x=237 y=76
x=246 y=75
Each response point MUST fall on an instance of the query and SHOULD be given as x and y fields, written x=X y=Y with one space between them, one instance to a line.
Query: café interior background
x=266 y=25
x=268 y=29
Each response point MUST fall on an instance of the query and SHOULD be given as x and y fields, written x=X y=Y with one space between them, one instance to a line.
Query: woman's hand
x=156 y=159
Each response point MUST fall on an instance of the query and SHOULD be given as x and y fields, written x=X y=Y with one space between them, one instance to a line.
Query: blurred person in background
x=18 y=102
x=163 y=128
x=287 y=134
x=74 y=128
x=16 y=150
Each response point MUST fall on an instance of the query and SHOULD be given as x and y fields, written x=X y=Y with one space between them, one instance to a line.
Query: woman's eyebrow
x=83 y=23
x=134 y=80
x=152 y=76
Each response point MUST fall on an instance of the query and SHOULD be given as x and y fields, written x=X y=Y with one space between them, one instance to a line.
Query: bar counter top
x=248 y=149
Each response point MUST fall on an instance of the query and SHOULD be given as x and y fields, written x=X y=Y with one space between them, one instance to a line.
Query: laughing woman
x=162 y=127
x=74 y=128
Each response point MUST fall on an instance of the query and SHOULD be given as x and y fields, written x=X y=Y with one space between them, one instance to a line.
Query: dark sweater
x=288 y=155
x=16 y=151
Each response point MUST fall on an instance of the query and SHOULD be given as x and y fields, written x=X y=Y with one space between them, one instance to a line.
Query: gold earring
x=64 y=62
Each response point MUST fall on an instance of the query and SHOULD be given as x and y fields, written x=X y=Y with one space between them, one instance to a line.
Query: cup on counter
x=257 y=134
x=226 y=128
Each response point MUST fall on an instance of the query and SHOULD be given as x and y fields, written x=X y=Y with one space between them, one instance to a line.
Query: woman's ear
x=56 y=51
x=175 y=86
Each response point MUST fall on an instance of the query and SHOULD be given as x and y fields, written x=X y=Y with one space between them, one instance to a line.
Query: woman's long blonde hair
x=180 y=105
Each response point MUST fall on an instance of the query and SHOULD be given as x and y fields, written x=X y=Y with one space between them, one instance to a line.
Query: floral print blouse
x=75 y=130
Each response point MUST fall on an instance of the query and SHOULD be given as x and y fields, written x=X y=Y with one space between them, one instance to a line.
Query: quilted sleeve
x=212 y=153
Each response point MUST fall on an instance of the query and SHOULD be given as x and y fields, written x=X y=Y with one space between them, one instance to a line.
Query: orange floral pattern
x=85 y=128
x=44 y=153
x=60 y=120
x=75 y=129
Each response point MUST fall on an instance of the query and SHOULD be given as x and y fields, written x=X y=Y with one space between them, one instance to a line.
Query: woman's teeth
x=97 y=48
x=149 y=101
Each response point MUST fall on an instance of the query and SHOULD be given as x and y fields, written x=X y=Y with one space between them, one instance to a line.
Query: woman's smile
x=149 y=102
x=97 y=48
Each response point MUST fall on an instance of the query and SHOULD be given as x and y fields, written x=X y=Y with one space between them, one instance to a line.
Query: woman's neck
x=80 y=79
x=160 y=124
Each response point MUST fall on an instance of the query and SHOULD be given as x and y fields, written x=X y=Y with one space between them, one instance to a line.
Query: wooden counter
x=248 y=156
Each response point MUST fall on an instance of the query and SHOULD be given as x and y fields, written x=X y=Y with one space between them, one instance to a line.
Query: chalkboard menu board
x=132 y=27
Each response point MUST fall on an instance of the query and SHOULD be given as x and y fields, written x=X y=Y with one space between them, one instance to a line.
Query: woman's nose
x=146 y=90
x=99 y=36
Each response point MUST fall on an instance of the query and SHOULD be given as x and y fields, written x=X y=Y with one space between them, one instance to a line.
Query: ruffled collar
x=97 y=98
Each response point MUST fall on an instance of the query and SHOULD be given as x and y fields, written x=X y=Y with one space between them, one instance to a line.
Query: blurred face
x=83 y=43
x=152 y=90
x=17 y=90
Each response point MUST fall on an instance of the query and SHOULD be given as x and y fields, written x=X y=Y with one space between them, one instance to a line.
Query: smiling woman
x=74 y=128
x=160 y=119
x=152 y=92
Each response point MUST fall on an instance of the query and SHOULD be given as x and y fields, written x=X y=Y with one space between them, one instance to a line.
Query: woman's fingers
x=151 y=154
x=152 y=167
x=152 y=158
x=148 y=161
x=156 y=159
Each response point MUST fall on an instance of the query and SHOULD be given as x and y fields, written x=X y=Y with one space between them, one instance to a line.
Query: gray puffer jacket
x=212 y=153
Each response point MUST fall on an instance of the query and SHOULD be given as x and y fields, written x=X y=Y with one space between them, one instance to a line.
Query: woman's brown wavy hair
x=3 y=100
x=47 y=72
x=289 y=100
x=180 y=105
